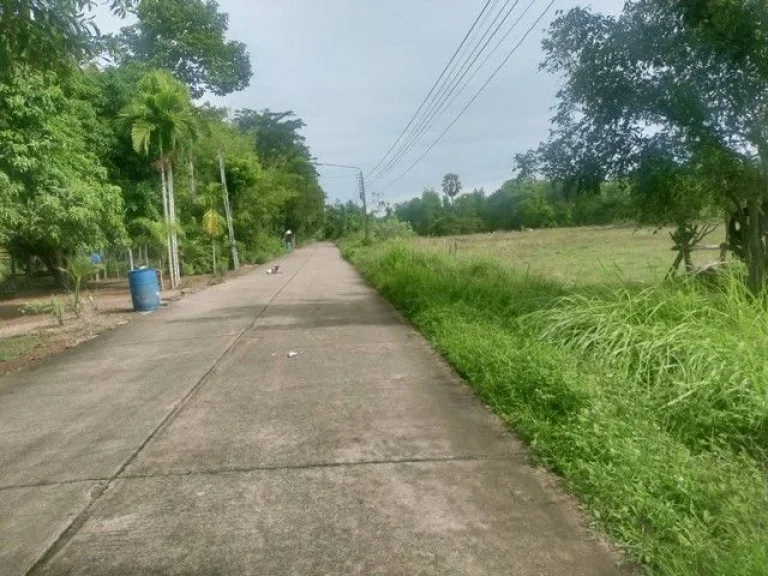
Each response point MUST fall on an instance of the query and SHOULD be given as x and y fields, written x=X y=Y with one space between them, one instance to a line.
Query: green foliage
x=342 y=220
x=451 y=186
x=519 y=203
x=18 y=346
x=652 y=90
x=78 y=270
x=204 y=59
x=58 y=196
x=650 y=404
x=49 y=34
x=55 y=308
x=160 y=116
x=75 y=139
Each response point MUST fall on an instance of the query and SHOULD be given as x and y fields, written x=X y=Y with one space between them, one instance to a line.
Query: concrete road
x=190 y=443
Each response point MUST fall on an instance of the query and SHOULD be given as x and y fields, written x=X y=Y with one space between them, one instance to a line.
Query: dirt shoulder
x=27 y=337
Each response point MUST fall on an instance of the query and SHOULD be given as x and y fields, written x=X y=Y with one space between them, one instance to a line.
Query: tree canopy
x=188 y=37
x=684 y=78
x=118 y=155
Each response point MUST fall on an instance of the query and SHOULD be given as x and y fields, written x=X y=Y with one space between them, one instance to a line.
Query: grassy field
x=650 y=399
x=578 y=255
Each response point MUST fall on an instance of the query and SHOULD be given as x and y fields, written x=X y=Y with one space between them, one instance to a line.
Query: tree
x=212 y=220
x=162 y=120
x=187 y=37
x=282 y=150
x=49 y=34
x=451 y=186
x=56 y=198
x=276 y=135
x=662 y=68
x=665 y=192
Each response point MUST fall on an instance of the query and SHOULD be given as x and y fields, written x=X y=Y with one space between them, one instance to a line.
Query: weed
x=78 y=270
x=16 y=347
x=54 y=307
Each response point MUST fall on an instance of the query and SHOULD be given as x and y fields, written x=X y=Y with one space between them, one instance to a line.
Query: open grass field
x=578 y=255
x=649 y=398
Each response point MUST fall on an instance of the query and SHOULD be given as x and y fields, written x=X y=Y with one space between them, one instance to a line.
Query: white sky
x=356 y=70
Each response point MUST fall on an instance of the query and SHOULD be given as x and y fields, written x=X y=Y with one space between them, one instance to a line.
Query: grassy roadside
x=650 y=403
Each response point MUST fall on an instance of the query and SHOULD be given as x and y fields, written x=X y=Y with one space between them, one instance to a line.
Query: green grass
x=651 y=402
x=577 y=255
x=17 y=346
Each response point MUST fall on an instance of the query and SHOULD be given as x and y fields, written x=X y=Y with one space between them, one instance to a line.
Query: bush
x=263 y=249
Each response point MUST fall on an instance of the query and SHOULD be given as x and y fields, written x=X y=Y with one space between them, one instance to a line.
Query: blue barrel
x=145 y=291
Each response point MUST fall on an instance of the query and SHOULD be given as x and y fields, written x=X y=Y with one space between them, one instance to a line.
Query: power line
x=434 y=86
x=456 y=83
x=477 y=94
x=439 y=95
x=491 y=53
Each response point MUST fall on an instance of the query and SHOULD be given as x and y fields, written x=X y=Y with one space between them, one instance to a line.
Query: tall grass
x=696 y=357
x=650 y=403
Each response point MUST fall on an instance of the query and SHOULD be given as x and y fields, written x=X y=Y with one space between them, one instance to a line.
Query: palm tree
x=162 y=120
x=212 y=220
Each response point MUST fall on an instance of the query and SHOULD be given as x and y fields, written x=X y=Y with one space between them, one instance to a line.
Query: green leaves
x=56 y=197
x=188 y=37
x=141 y=135
x=50 y=34
x=161 y=116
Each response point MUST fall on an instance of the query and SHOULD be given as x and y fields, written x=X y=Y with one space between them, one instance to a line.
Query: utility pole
x=361 y=186
x=228 y=213
x=365 y=204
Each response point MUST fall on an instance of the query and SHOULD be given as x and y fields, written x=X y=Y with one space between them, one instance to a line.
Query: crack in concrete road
x=79 y=521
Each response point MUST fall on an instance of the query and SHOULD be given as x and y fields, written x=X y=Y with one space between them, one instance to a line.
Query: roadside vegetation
x=107 y=145
x=649 y=399
x=111 y=158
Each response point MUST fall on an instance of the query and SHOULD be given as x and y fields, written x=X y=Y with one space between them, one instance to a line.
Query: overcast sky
x=356 y=70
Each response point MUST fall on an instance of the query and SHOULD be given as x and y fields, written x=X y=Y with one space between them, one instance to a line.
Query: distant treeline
x=517 y=204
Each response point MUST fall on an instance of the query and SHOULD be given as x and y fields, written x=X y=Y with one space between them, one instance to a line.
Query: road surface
x=189 y=442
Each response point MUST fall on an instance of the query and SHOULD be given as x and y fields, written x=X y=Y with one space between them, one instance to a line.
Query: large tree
x=276 y=135
x=162 y=121
x=188 y=37
x=451 y=186
x=54 y=190
x=662 y=68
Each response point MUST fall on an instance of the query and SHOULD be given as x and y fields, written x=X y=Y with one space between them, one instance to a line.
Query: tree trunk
x=213 y=249
x=174 y=237
x=130 y=258
x=756 y=263
x=167 y=222
x=228 y=213
x=146 y=256
x=56 y=266
x=160 y=271
x=192 y=183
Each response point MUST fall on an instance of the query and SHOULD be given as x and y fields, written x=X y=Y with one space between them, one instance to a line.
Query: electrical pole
x=361 y=186
x=365 y=204
x=228 y=213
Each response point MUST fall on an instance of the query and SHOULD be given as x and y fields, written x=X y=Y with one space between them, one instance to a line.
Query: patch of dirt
x=106 y=305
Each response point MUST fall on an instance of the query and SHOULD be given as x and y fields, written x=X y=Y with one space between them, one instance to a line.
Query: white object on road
x=293 y=354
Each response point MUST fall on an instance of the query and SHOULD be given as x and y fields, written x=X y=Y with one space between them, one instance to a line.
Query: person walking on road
x=290 y=241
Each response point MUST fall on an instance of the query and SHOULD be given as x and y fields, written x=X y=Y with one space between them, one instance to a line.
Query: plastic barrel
x=145 y=291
